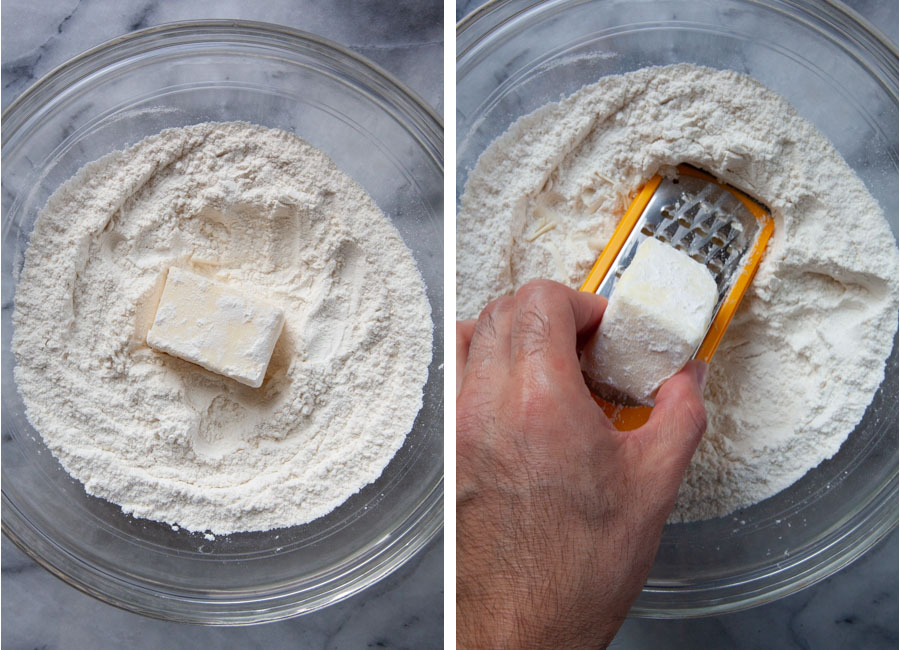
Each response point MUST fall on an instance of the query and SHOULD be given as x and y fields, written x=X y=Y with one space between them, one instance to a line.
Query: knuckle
x=538 y=292
x=485 y=331
x=534 y=304
x=680 y=432
x=532 y=333
x=533 y=321
x=486 y=327
x=496 y=305
x=686 y=413
x=696 y=415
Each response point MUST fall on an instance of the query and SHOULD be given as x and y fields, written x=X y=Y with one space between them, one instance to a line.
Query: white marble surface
x=855 y=608
x=404 y=36
x=881 y=13
x=406 y=609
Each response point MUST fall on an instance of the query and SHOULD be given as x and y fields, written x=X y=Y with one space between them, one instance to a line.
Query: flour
x=805 y=353
x=252 y=208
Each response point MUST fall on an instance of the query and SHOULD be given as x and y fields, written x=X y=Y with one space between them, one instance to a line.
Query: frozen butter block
x=657 y=315
x=212 y=325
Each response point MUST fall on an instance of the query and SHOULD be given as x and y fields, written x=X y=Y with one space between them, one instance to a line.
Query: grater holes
x=647 y=230
x=720 y=258
x=691 y=212
x=686 y=240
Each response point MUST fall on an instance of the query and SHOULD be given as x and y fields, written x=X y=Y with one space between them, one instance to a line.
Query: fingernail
x=700 y=371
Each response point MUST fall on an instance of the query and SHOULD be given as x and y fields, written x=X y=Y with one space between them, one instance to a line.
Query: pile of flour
x=804 y=355
x=261 y=211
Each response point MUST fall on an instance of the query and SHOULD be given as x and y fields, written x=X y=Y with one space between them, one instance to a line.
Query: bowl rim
x=216 y=27
x=414 y=531
x=821 y=16
x=836 y=9
x=865 y=529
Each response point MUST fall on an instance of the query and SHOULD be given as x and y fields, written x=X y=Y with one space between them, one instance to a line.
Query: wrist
x=492 y=613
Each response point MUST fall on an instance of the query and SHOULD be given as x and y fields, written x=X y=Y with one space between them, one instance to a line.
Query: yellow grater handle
x=615 y=243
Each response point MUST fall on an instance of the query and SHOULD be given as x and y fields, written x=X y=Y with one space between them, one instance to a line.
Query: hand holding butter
x=657 y=316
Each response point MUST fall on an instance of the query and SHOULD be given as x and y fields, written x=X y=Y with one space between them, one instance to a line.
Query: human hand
x=559 y=514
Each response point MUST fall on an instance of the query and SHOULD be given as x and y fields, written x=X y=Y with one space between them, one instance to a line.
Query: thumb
x=678 y=420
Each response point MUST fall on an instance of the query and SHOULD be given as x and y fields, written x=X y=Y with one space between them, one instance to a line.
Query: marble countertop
x=405 y=37
x=855 y=608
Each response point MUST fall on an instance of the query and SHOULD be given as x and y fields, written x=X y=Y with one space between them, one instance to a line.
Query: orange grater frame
x=628 y=418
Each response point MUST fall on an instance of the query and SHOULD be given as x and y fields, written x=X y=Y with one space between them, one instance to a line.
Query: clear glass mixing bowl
x=376 y=131
x=515 y=56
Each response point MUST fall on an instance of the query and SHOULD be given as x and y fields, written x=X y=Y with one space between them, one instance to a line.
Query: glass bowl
x=515 y=56
x=375 y=130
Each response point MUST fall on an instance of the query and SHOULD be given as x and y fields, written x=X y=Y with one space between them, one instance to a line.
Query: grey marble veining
x=881 y=13
x=404 y=37
x=855 y=608
x=404 y=610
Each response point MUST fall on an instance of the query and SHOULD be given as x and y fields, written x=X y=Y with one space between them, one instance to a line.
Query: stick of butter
x=657 y=315
x=215 y=327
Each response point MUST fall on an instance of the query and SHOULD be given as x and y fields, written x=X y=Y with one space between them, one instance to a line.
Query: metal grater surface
x=698 y=217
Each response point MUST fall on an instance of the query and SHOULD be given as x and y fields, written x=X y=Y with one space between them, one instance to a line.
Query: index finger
x=549 y=322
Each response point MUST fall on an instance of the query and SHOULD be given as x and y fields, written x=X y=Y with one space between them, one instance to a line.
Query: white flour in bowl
x=262 y=211
x=805 y=353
